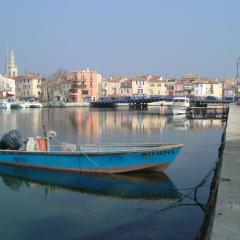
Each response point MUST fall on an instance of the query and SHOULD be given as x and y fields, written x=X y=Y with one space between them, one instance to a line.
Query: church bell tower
x=11 y=70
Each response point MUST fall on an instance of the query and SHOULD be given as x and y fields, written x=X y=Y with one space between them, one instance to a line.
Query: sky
x=122 y=37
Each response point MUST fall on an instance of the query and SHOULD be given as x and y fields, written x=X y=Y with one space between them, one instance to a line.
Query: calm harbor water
x=40 y=205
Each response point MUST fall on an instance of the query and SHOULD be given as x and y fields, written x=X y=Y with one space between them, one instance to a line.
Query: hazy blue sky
x=124 y=37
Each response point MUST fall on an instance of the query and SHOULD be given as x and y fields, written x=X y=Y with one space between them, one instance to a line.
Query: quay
x=226 y=217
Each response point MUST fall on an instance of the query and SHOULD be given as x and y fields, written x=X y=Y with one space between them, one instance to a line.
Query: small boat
x=147 y=186
x=37 y=152
x=180 y=105
x=5 y=104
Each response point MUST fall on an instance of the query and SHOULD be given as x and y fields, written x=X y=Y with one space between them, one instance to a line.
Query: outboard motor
x=11 y=140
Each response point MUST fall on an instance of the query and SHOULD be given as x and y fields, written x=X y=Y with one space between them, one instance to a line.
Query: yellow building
x=156 y=86
x=139 y=84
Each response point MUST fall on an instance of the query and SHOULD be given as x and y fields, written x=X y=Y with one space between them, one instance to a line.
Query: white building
x=204 y=88
x=7 y=87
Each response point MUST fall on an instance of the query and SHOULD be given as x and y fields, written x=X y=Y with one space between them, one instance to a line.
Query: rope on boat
x=84 y=154
x=91 y=160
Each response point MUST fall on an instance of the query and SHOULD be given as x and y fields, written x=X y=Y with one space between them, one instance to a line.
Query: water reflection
x=147 y=186
x=94 y=121
x=180 y=122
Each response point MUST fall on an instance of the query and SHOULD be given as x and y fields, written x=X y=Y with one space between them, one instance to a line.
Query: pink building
x=86 y=86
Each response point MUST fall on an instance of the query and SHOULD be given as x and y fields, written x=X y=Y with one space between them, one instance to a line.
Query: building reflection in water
x=87 y=125
x=93 y=122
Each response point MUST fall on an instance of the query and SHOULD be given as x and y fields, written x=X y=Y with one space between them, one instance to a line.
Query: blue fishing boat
x=37 y=152
x=144 y=185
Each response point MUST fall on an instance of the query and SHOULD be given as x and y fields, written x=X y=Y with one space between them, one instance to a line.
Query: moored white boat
x=180 y=105
x=35 y=104
x=5 y=104
x=18 y=104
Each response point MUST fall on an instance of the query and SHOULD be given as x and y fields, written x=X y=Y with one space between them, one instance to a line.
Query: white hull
x=177 y=111
x=5 y=105
x=180 y=105
x=122 y=104
x=35 y=105
x=77 y=104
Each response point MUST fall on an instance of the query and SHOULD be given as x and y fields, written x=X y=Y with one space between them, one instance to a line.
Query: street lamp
x=237 y=88
x=238 y=62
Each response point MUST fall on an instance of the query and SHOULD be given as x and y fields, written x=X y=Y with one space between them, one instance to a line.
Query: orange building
x=86 y=86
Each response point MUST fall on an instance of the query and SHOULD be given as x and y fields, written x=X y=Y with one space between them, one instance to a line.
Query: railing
x=138 y=99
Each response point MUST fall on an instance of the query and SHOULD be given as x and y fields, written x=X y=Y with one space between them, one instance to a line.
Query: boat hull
x=179 y=110
x=101 y=162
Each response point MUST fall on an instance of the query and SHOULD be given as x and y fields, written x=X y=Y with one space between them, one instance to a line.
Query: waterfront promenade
x=226 y=220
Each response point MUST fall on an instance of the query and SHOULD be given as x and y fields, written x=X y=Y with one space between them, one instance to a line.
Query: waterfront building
x=7 y=87
x=189 y=84
x=126 y=87
x=53 y=90
x=103 y=89
x=139 y=84
x=86 y=86
x=230 y=87
x=11 y=67
x=113 y=86
x=156 y=86
x=208 y=87
x=179 y=88
x=56 y=87
x=170 y=86
x=29 y=85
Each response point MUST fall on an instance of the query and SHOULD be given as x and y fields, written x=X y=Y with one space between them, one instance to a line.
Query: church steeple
x=12 y=70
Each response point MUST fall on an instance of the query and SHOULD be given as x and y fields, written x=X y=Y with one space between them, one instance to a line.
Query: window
x=136 y=82
x=91 y=84
x=151 y=84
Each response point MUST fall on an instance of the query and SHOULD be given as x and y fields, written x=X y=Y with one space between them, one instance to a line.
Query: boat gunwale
x=158 y=147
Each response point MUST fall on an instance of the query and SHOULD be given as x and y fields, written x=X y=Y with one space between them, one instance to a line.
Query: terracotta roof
x=140 y=78
x=113 y=79
x=155 y=79
x=207 y=81
x=27 y=76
